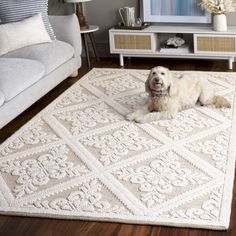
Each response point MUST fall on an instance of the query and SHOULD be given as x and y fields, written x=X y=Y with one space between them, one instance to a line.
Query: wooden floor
x=24 y=226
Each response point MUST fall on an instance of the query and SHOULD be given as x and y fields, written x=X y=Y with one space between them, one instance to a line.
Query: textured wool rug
x=80 y=159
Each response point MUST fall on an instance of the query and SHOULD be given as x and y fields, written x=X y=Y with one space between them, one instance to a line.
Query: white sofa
x=29 y=73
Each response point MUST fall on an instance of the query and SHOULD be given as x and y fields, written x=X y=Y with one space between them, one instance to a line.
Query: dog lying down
x=169 y=94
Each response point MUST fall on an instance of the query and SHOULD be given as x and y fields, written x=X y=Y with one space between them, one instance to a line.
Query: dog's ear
x=172 y=86
x=172 y=90
x=147 y=85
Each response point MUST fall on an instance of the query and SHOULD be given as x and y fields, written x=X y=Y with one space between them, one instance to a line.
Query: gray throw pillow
x=17 y=10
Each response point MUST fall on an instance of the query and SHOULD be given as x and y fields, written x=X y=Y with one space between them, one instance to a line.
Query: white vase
x=220 y=22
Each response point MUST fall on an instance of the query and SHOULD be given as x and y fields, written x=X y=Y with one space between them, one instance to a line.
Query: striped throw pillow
x=17 y=10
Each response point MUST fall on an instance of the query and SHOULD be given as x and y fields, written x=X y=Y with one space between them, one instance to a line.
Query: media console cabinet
x=204 y=43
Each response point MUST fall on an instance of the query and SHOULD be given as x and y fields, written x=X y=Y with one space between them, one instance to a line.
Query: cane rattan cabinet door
x=215 y=44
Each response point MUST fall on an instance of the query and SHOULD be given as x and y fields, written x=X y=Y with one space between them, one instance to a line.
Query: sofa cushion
x=16 y=10
x=51 y=55
x=22 y=33
x=2 y=98
x=18 y=74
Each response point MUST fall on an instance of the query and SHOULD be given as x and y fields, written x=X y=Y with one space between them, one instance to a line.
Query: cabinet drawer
x=214 y=44
x=132 y=42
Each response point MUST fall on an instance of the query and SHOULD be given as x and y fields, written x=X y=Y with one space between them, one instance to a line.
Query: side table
x=88 y=33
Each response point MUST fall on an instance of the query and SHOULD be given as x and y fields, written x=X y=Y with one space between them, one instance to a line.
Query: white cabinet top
x=180 y=29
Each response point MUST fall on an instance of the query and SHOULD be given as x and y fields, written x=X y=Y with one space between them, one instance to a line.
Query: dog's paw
x=130 y=116
x=140 y=120
x=168 y=116
x=228 y=105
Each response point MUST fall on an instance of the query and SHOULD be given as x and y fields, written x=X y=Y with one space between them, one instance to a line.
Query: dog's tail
x=220 y=102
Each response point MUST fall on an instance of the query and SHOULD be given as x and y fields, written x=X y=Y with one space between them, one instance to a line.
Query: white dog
x=169 y=95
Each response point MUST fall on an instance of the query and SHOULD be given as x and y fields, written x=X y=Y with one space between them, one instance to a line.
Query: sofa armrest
x=67 y=29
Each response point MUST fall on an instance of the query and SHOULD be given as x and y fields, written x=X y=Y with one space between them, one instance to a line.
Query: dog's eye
x=162 y=73
x=154 y=73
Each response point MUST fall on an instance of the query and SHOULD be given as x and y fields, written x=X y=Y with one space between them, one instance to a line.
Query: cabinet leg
x=231 y=63
x=121 y=60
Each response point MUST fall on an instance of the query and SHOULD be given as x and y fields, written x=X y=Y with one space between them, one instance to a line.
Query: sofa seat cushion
x=51 y=55
x=18 y=74
x=2 y=98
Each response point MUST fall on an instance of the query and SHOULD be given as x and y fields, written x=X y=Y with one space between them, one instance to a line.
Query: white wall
x=231 y=18
x=58 y=8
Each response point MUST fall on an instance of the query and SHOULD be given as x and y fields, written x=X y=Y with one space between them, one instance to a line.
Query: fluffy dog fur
x=169 y=95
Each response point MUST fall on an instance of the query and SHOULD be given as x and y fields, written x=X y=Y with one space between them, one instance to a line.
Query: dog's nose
x=157 y=80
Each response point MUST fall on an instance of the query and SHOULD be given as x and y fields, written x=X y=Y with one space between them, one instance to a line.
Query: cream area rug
x=80 y=159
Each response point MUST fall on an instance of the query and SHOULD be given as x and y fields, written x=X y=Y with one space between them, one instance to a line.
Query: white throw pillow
x=23 y=33
x=17 y=10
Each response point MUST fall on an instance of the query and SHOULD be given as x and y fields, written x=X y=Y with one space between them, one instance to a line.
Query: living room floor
x=13 y=225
